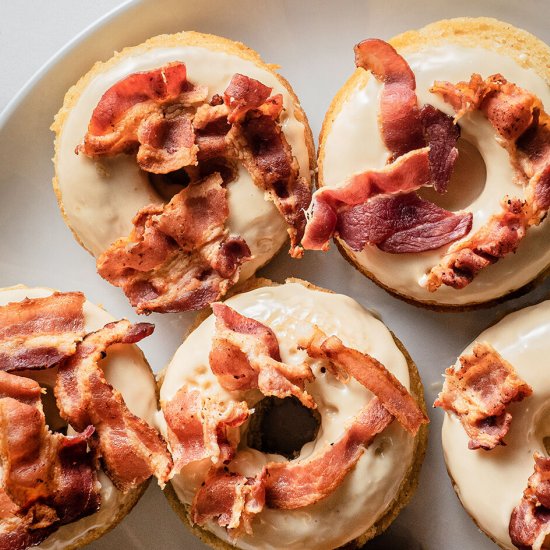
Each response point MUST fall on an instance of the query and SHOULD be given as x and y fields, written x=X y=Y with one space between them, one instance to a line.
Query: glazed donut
x=46 y=343
x=279 y=408
x=491 y=460
x=193 y=165
x=462 y=97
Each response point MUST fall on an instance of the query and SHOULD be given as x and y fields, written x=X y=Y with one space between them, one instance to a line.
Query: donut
x=71 y=410
x=275 y=445
x=434 y=164
x=183 y=165
x=495 y=430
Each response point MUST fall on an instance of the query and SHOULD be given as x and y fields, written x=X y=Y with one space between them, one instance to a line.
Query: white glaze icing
x=125 y=369
x=290 y=310
x=101 y=197
x=490 y=483
x=354 y=144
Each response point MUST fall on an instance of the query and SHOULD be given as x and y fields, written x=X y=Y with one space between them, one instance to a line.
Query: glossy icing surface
x=491 y=483
x=290 y=310
x=354 y=145
x=101 y=197
x=125 y=369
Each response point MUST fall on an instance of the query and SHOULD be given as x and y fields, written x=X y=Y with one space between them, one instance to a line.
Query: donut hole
x=168 y=185
x=282 y=426
x=467 y=181
x=51 y=412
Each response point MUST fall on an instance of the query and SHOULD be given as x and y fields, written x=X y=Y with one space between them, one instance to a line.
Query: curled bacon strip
x=399 y=117
x=478 y=394
x=259 y=142
x=292 y=485
x=245 y=355
x=180 y=256
x=523 y=128
x=135 y=114
x=131 y=450
x=233 y=500
x=48 y=480
x=530 y=520
x=407 y=173
x=38 y=333
x=200 y=428
x=371 y=374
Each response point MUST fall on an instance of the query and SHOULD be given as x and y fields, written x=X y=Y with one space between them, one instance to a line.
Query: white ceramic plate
x=312 y=41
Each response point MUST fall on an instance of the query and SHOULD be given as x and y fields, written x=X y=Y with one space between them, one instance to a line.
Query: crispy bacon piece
x=478 y=394
x=38 y=333
x=523 y=128
x=48 y=480
x=245 y=355
x=130 y=449
x=399 y=117
x=408 y=173
x=500 y=236
x=180 y=256
x=401 y=224
x=441 y=134
x=167 y=144
x=260 y=144
x=135 y=114
x=291 y=485
x=371 y=374
x=530 y=520
x=200 y=428
x=244 y=94
x=233 y=500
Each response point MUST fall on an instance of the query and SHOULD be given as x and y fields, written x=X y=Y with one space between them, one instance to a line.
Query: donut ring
x=521 y=338
x=448 y=50
x=127 y=370
x=281 y=306
x=99 y=197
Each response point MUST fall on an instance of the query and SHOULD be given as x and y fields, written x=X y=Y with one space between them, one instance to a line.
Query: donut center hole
x=51 y=412
x=282 y=426
x=168 y=185
x=467 y=181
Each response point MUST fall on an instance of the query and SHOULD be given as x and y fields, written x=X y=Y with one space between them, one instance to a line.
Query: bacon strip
x=399 y=117
x=524 y=130
x=180 y=256
x=135 y=114
x=530 y=520
x=261 y=145
x=370 y=373
x=245 y=355
x=291 y=485
x=131 y=450
x=233 y=500
x=38 y=333
x=48 y=480
x=244 y=94
x=441 y=134
x=478 y=394
x=408 y=173
x=199 y=428
x=401 y=224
